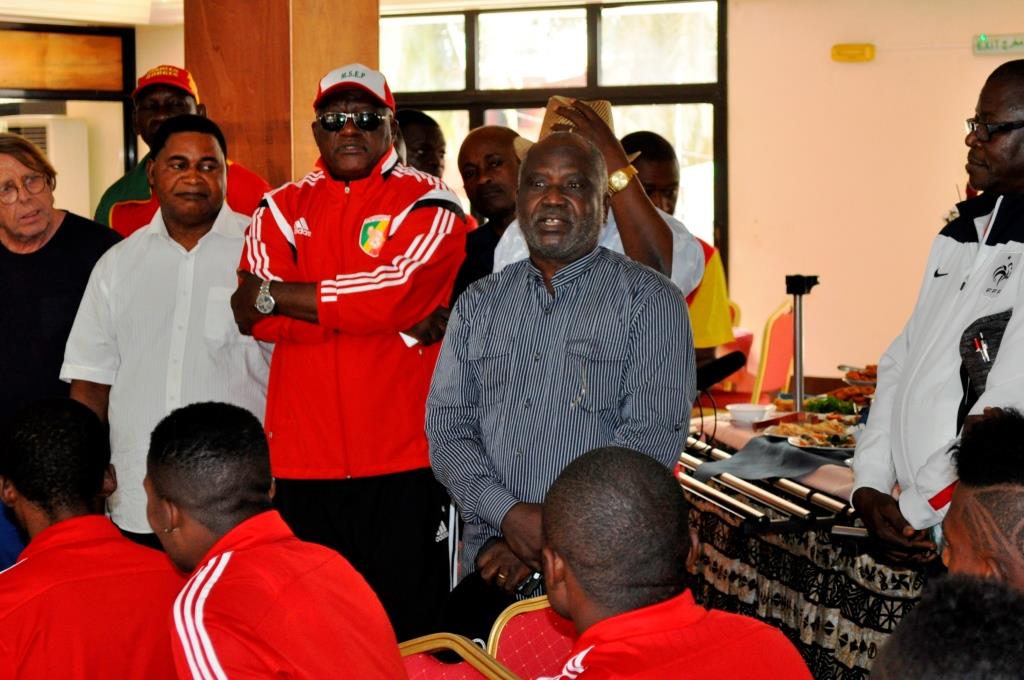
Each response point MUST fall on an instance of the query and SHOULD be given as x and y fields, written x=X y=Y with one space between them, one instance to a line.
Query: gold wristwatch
x=619 y=180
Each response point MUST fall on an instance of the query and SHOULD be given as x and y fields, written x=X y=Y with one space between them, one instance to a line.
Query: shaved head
x=619 y=520
x=985 y=524
x=489 y=168
x=1011 y=75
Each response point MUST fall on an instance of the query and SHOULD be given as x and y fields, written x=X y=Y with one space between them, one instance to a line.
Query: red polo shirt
x=264 y=604
x=681 y=640
x=84 y=602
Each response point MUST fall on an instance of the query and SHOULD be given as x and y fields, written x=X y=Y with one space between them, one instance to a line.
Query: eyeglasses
x=333 y=121
x=33 y=184
x=984 y=131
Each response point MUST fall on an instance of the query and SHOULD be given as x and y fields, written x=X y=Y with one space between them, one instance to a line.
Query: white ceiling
x=123 y=12
x=164 y=12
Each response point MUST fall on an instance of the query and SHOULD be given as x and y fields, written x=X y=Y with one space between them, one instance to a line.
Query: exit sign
x=998 y=44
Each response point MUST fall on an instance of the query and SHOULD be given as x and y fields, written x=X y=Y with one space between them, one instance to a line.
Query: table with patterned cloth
x=831 y=599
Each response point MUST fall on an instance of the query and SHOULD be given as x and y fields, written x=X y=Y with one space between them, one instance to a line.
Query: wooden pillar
x=257 y=65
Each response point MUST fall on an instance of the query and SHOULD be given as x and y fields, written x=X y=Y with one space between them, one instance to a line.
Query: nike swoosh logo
x=936 y=273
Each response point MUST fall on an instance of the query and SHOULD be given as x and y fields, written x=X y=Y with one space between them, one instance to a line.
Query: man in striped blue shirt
x=574 y=348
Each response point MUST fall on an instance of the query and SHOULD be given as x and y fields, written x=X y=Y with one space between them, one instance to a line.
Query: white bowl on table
x=748 y=414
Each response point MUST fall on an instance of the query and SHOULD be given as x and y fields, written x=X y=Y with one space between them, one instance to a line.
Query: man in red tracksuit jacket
x=260 y=603
x=335 y=267
x=82 y=602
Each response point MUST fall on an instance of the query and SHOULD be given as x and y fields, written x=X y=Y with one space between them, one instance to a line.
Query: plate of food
x=861 y=395
x=830 y=404
x=846 y=442
x=861 y=377
x=824 y=432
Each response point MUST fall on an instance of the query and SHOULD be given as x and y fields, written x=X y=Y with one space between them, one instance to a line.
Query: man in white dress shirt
x=155 y=331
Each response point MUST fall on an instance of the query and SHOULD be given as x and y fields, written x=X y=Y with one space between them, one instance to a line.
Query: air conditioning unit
x=65 y=141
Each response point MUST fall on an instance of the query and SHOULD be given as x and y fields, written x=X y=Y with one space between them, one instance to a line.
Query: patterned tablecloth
x=833 y=601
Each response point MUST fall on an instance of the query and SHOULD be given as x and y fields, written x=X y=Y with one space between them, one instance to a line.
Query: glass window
x=524 y=121
x=651 y=44
x=424 y=53
x=455 y=126
x=689 y=128
x=533 y=49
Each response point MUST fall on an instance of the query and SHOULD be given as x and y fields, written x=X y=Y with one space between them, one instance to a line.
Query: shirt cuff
x=494 y=504
x=69 y=372
x=872 y=477
x=918 y=511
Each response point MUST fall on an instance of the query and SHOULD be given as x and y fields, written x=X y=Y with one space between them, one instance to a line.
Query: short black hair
x=414 y=117
x=55 y=453
x=1011 y=75
x=652 y=146
x=991 y=450
x=963 y=627
x=188 y=122
x=619 y=519
x=212 y=460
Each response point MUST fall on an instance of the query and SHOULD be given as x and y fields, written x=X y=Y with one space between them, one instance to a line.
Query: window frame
x=127 y=38
x=477 y=100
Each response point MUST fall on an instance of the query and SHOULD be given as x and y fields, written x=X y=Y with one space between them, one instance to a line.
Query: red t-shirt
x=679 y=639
x=85 y=602
x=263 y=604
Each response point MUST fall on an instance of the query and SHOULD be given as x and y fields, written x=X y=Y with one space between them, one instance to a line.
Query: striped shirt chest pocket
x=595 y=370
x=491 y=359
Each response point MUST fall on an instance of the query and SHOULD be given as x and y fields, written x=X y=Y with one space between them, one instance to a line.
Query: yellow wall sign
x=998 y=44
x=849 y=52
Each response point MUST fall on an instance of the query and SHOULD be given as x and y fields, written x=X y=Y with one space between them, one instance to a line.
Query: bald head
x=1010 y=74
x=489 y=169
x=487 y=136
x=619 y=521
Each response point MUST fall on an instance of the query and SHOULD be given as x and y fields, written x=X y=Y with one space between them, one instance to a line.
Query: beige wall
x=847 y=170
x=106 y=145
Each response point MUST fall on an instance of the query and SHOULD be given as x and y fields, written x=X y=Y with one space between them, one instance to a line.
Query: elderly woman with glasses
x=46 y=256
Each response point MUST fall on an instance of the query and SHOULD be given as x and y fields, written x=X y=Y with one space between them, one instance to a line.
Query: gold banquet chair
x=774 y=366
x=531 y=638
x=422 y=664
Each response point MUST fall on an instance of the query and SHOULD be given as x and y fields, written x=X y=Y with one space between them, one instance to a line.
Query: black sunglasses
x=333 y=121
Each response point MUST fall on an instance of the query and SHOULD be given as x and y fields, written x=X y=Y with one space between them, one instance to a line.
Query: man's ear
x=8 y=493
x=691 y=557
x=109 y=482
x=174 y=513
x=993 y=569
x=150 y=165
x=555 y=582
x=273 y=488
x=554 y=567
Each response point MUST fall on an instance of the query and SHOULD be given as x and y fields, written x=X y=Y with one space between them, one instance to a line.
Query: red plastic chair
x=769 y=373
x=531 y=639
x=474 y=664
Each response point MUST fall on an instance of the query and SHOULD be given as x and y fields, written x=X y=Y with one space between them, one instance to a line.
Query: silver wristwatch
x=264 y=300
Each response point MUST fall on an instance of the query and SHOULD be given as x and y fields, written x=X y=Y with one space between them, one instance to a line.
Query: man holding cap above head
x=343 y=270
x=164 y=92
x=634 y=226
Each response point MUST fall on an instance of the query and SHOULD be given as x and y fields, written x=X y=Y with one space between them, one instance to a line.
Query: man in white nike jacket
x=962 y=349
